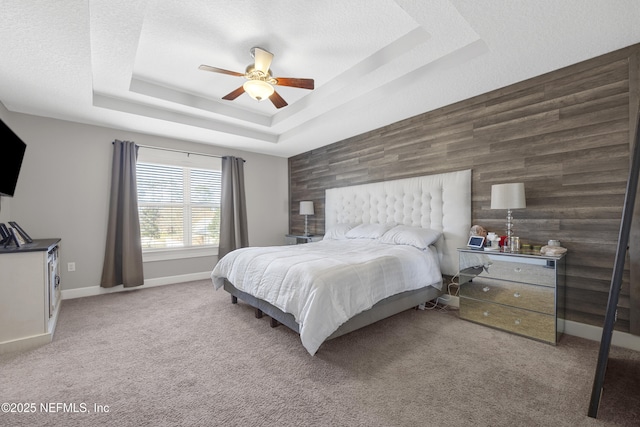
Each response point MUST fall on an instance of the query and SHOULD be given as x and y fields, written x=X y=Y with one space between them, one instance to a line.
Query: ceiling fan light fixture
x=258 y=89
x=260 y=83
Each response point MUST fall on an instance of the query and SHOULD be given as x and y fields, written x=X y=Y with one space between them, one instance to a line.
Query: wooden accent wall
x=566 y=135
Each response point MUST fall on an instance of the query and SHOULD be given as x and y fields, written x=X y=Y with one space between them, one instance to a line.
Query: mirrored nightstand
x=296 y=239
x=521 y=293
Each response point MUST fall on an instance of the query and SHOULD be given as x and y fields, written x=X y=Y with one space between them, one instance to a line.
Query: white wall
x=63 y=191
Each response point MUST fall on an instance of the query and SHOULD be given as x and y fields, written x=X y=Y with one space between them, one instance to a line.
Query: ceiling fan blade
x=277 y=100
x=293 y=82
x=233 y=95
x=262 y=59
x=219 y=70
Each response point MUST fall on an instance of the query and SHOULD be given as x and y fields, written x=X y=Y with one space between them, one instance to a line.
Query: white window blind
x=179 y=206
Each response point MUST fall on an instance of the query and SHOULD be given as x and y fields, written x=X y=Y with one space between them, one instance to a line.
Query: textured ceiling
x=133 y=64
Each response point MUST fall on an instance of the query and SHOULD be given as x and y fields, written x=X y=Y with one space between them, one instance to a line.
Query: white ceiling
x=133 y=64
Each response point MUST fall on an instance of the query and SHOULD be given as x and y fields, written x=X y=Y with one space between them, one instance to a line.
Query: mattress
x=324 y=284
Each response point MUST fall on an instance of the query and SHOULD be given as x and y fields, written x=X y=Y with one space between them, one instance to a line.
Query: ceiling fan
x=260 y=82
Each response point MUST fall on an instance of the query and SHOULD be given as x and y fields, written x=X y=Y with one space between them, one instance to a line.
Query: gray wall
x=63 y=191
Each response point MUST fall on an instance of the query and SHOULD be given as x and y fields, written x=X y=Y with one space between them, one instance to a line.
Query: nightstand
x=295 y=239
x=522 y=293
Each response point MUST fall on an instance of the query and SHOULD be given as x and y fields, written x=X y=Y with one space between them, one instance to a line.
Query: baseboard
x=619 y=339
x=148 y=283
x=23 y=344
x=582 y=330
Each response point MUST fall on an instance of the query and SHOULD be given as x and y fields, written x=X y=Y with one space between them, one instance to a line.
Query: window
x=179 y=203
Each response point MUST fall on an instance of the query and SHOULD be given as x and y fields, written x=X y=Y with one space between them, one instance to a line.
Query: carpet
x=183 y=355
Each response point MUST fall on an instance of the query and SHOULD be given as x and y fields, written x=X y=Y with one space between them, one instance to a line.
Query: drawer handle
x=517 y=321
x=485 y=313
x=486 y=289
x=517 y=295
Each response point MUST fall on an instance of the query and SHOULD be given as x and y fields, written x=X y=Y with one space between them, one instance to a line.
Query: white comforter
x=324 y=284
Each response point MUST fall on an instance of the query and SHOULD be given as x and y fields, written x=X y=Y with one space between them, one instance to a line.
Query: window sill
x=152 y=255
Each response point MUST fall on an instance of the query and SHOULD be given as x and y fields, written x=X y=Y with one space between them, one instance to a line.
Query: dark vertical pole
x=616 y=278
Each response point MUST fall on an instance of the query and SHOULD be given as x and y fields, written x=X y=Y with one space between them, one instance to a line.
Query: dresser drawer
x=540 y=271
x=537 y=273
x=531 y=297
x=520 y=321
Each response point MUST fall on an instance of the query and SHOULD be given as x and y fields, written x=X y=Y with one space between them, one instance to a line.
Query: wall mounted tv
x=12 y=154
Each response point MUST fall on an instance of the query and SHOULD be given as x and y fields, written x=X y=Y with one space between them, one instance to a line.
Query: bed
x=385 y=249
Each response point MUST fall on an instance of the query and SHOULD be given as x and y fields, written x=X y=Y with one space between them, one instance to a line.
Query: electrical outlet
x=71 y=266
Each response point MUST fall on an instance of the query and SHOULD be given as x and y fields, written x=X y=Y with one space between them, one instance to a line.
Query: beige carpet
x=183 y=355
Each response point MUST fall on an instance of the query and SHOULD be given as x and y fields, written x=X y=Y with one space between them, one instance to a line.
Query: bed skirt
x=381 y=310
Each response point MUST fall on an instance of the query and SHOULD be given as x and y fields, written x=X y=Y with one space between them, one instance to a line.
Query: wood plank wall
x=565 y=134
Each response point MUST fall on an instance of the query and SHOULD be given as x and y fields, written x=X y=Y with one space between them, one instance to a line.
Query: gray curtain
x=123 y=253
x=233 y=209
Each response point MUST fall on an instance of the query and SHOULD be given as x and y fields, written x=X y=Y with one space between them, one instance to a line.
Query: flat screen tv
x=11 y=153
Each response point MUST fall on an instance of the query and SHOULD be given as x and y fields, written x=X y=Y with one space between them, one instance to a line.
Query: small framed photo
x=476 y=242
x=22 y=234
x=11 y=238
x=4 y=232
x=18 y=238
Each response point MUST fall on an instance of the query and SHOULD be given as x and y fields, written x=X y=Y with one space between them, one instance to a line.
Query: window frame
x=183 y=160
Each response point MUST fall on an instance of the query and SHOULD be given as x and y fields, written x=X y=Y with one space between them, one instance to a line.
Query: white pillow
x=419 y=237
x=368 y=231
x=338 y=231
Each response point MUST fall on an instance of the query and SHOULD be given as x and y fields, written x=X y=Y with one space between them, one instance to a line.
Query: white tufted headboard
x=441 y=202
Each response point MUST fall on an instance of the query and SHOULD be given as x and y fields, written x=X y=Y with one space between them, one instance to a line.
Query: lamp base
x=507 y=244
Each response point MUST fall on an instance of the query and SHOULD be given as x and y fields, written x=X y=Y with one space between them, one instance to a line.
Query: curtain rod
x=181 y=151
x=178 y=151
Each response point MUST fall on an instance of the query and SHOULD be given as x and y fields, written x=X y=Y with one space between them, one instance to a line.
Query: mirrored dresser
x=522 y=293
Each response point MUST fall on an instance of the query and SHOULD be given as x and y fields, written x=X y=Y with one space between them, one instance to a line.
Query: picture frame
x=476 y=242
x=23 y=234
x=8 y=236
x=18 y=237
x=4 y=232
x=15 y=238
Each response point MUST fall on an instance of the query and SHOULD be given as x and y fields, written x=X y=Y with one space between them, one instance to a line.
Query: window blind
x=179 y=206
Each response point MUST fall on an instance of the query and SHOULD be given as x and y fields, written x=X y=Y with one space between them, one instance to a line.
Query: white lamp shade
x=258 y=90
x=306 y=208
x=508 y=196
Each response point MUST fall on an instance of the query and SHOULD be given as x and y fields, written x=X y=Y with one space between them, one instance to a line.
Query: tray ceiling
x=133 y=65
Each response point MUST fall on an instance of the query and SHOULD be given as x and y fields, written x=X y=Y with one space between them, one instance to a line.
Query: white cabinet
x=29 y=295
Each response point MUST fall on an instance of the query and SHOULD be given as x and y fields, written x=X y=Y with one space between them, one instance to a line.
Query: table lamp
x=306 y=209
x=508 y=196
